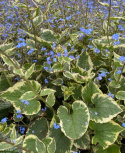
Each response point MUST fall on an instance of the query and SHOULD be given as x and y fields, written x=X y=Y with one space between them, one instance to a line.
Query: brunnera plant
x=62 y=82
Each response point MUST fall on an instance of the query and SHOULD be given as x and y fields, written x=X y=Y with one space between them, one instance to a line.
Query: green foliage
x=62 y=76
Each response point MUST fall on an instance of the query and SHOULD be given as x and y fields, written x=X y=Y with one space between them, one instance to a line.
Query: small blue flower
x=54 y=45
x=14 y=141
x=96 y=113
x=56 y=126
x=122 y=58
x=90 y=46
x=115 y=36
x=54 y=60
x=97 y=50
x=116 y=43
x=46 y=68
x=44 y=109
x=123 y=124
x=99 y=77
x=35 y=61
x=119 y=71
x=26 y=102
x=4 y=120
x=58 y=54
x=30 y=51
x=22 y=101
x=18 y=111
x=86 y=123
x=110 y=79
x=15 y=7
x=109 y=94
x=46 y=81
x=19 y=116
x=49 y=62
x=90 y=112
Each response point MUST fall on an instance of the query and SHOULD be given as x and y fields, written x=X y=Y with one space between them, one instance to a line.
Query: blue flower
x=49 y=62
x=72 y=57
x=22 y=129
x=15 y=7
x=56 y=126
x=35 y=61
x=14 y=141
x=99 y=77
x=65 y=54
x=46 y=68
x=22 y=101
x=46 y=81
x=115 y=36
x=44 y=109
x=4 y=120
x=123 y=124
x=116 y=43
x=97 y=50
x=102 y=74
x=110 y=79
x=90 y=46
x=122 y=58
x=26 y=102
x=120 y=27
x=30 y=51
x=96 y=113
x=86 y=123
x=54 y=45
x=19 y=45
x=19 y=116
x=110 y=95
x=54 y=60
x=18 y=111
x=119 y=71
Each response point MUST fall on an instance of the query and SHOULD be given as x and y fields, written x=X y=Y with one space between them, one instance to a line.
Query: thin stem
x=7 y=79
x=9 y=59
x=108 y=22
x=120 y=74
x=34 y=30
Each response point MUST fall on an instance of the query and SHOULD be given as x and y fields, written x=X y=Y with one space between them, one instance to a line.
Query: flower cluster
x=19 y=114
x=25 y=101
x=22 y=129
x=122 y=59
x=102 y=74
x=111 y=95
x=56 y=126
x=3 y=120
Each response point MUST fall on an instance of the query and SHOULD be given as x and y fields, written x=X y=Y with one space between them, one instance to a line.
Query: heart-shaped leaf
x=120 y=95
x=74 y=125
x=105 y=134
x=32 y=143
x=89 y=90
x=105 y=108
x=39 y=128
x=14 y=93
